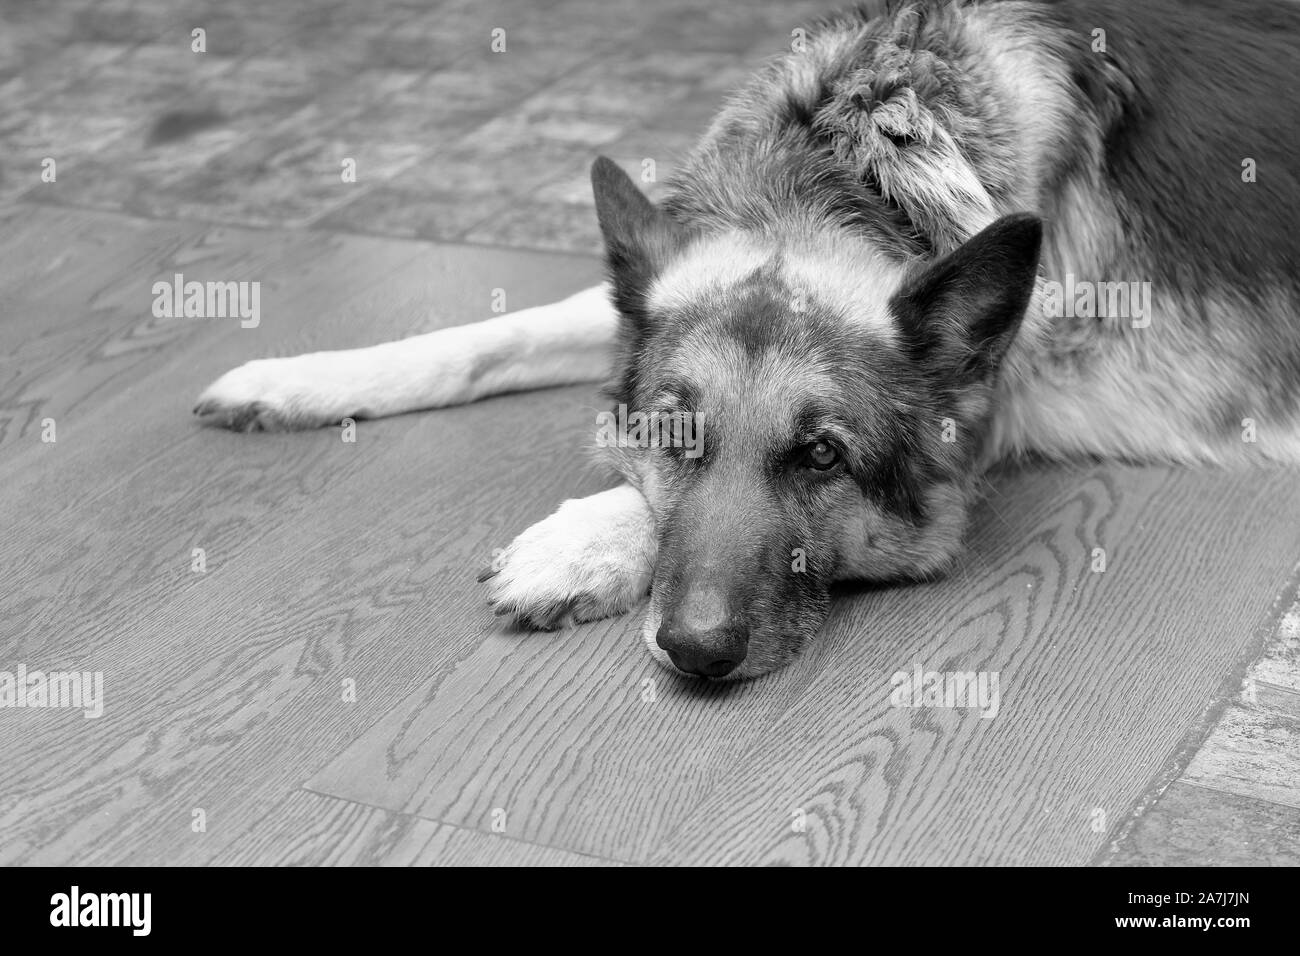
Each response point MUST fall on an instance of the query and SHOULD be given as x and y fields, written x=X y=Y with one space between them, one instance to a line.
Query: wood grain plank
x=1103 y=674
x=53 y=258
x=99 y=339
x=313 y=579
x=326 y=561
x=309 y=829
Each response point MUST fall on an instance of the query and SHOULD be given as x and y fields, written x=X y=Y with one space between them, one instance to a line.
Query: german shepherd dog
x=931 y=236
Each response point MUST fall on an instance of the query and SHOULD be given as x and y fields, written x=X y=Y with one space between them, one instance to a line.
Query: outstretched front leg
x=592 y=559
x=559 y=344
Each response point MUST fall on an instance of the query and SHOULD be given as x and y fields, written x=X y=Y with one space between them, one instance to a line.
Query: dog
x=932 y=236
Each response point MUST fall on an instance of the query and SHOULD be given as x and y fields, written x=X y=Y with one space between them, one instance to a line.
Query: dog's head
x=819 y=409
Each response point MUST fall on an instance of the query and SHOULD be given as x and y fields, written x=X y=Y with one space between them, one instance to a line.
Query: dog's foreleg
x=592 y=559
x=558 y=344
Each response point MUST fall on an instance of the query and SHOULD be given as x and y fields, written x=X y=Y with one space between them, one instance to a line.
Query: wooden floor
x=333 y=565
x=331 y=688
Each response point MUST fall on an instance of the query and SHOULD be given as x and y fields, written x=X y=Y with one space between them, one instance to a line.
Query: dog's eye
x=822 y=456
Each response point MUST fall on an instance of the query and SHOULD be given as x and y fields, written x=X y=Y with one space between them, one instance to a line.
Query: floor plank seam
x=475 y=830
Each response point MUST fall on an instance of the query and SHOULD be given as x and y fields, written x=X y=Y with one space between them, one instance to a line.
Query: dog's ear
x=959 y=314
x=640 y=238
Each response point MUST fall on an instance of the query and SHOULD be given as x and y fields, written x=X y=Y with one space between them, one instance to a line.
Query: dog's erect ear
x=624 y=212
x=640 y=239
x=959 y=315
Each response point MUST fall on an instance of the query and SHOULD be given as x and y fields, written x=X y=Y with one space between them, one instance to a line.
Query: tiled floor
x=451 y=139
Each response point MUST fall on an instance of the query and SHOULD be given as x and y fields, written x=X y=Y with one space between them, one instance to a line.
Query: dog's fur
x=853 y=261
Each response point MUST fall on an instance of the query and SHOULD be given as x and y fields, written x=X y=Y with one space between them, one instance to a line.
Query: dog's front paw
x=278 y=394
x=592 y=559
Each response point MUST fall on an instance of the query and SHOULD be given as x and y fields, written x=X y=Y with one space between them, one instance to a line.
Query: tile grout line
x=1253 y=798
x=259 y=227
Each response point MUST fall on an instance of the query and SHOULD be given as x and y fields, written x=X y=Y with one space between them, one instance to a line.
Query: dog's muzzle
x=701 y=636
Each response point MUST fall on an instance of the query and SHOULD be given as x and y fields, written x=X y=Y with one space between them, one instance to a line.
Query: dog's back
x=1157 y=140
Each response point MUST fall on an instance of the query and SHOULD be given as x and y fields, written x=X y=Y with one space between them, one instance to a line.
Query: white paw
x=280 y=394
x=592 y=559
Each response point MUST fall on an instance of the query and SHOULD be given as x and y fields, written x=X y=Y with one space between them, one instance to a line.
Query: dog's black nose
x=713 y=653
